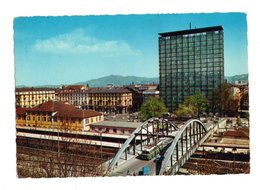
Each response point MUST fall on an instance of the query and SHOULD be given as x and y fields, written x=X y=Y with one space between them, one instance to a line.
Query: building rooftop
x=151 y=91
x=32 y=89
x=77 y=113
x=191 y=31
x=109 y=90
x=119 y=124
x=62 y=109
x=242 y=133
x=21 y=111
x=75 y=87
x=52 y=106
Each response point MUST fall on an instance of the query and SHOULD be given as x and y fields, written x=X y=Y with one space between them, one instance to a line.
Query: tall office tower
x=190 y=61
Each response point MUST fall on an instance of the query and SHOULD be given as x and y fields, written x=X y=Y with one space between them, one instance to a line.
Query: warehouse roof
x=119 y=124
x=52 y=106
x=77 y=113
x=21 y=111
x=62 y=110
x=109 y=90
x=32 y=89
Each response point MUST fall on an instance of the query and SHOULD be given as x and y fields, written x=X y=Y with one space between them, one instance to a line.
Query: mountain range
x=233 y=79
x=118 y=80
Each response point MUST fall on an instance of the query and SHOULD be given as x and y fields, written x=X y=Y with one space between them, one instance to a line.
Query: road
x=133 y=166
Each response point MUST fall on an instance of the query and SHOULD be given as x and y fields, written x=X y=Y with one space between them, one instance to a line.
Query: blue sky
x=70 y=49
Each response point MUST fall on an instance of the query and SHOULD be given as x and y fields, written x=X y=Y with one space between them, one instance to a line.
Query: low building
x=21 y=116
x=142 y=92
x=230 y=141
x=150 y=93
x=30 y=97
x=115 y=128
x=239 y=136
x=57 y=115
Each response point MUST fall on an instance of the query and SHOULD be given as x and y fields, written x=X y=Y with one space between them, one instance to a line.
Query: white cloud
x=77 y=42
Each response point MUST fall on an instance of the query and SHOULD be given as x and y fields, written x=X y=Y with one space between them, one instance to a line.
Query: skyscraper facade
x=190 y=61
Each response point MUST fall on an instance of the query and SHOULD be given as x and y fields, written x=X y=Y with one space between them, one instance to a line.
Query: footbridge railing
x=192 y=134
x=151 y=127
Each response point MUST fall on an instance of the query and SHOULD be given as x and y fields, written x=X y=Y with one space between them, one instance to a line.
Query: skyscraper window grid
x=190 y=61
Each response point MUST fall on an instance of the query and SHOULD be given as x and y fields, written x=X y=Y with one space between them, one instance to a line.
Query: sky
x=70 y=49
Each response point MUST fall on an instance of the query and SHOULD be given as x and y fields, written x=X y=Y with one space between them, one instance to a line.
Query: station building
x=114 y=127
x=57 y=115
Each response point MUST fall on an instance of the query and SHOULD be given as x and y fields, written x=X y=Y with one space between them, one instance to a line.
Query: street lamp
x=100 y=135
x=58 y=143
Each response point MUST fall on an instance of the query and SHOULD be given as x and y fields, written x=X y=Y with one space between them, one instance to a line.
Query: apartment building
x=30 y=97
x=110 y=100
x=75 y=95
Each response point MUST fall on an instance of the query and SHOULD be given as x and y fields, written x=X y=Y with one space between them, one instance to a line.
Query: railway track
x=205 y=166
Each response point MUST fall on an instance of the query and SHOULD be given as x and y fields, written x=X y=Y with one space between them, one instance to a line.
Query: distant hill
x=118 y=80
x=233 y=79
x=39 y=86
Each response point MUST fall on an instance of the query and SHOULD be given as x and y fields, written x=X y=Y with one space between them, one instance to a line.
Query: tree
x=198 y=101
x=153 y=107
x=238 y=122
x=193 y=105
x=184 y=111
x=224 y=102
x=247 y=117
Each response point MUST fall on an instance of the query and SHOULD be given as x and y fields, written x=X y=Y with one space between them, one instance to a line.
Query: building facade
x=150 y=93
x=141 y=92
x=57 y=115
x=75 y=95
x=110 y=100
x=190 y=61
x=114 y=128
x=30 y=97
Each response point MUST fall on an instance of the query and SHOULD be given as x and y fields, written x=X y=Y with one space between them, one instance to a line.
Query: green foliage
x=193 y=105
x=239 y=121
x=224 y=102
x=247 y=117
x=153 y=107
x=184 y=111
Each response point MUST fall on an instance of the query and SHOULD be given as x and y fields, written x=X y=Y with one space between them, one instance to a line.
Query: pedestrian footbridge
x=183 y=140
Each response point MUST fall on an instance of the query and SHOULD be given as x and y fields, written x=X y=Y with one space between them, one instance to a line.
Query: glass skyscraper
x=190 y=61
